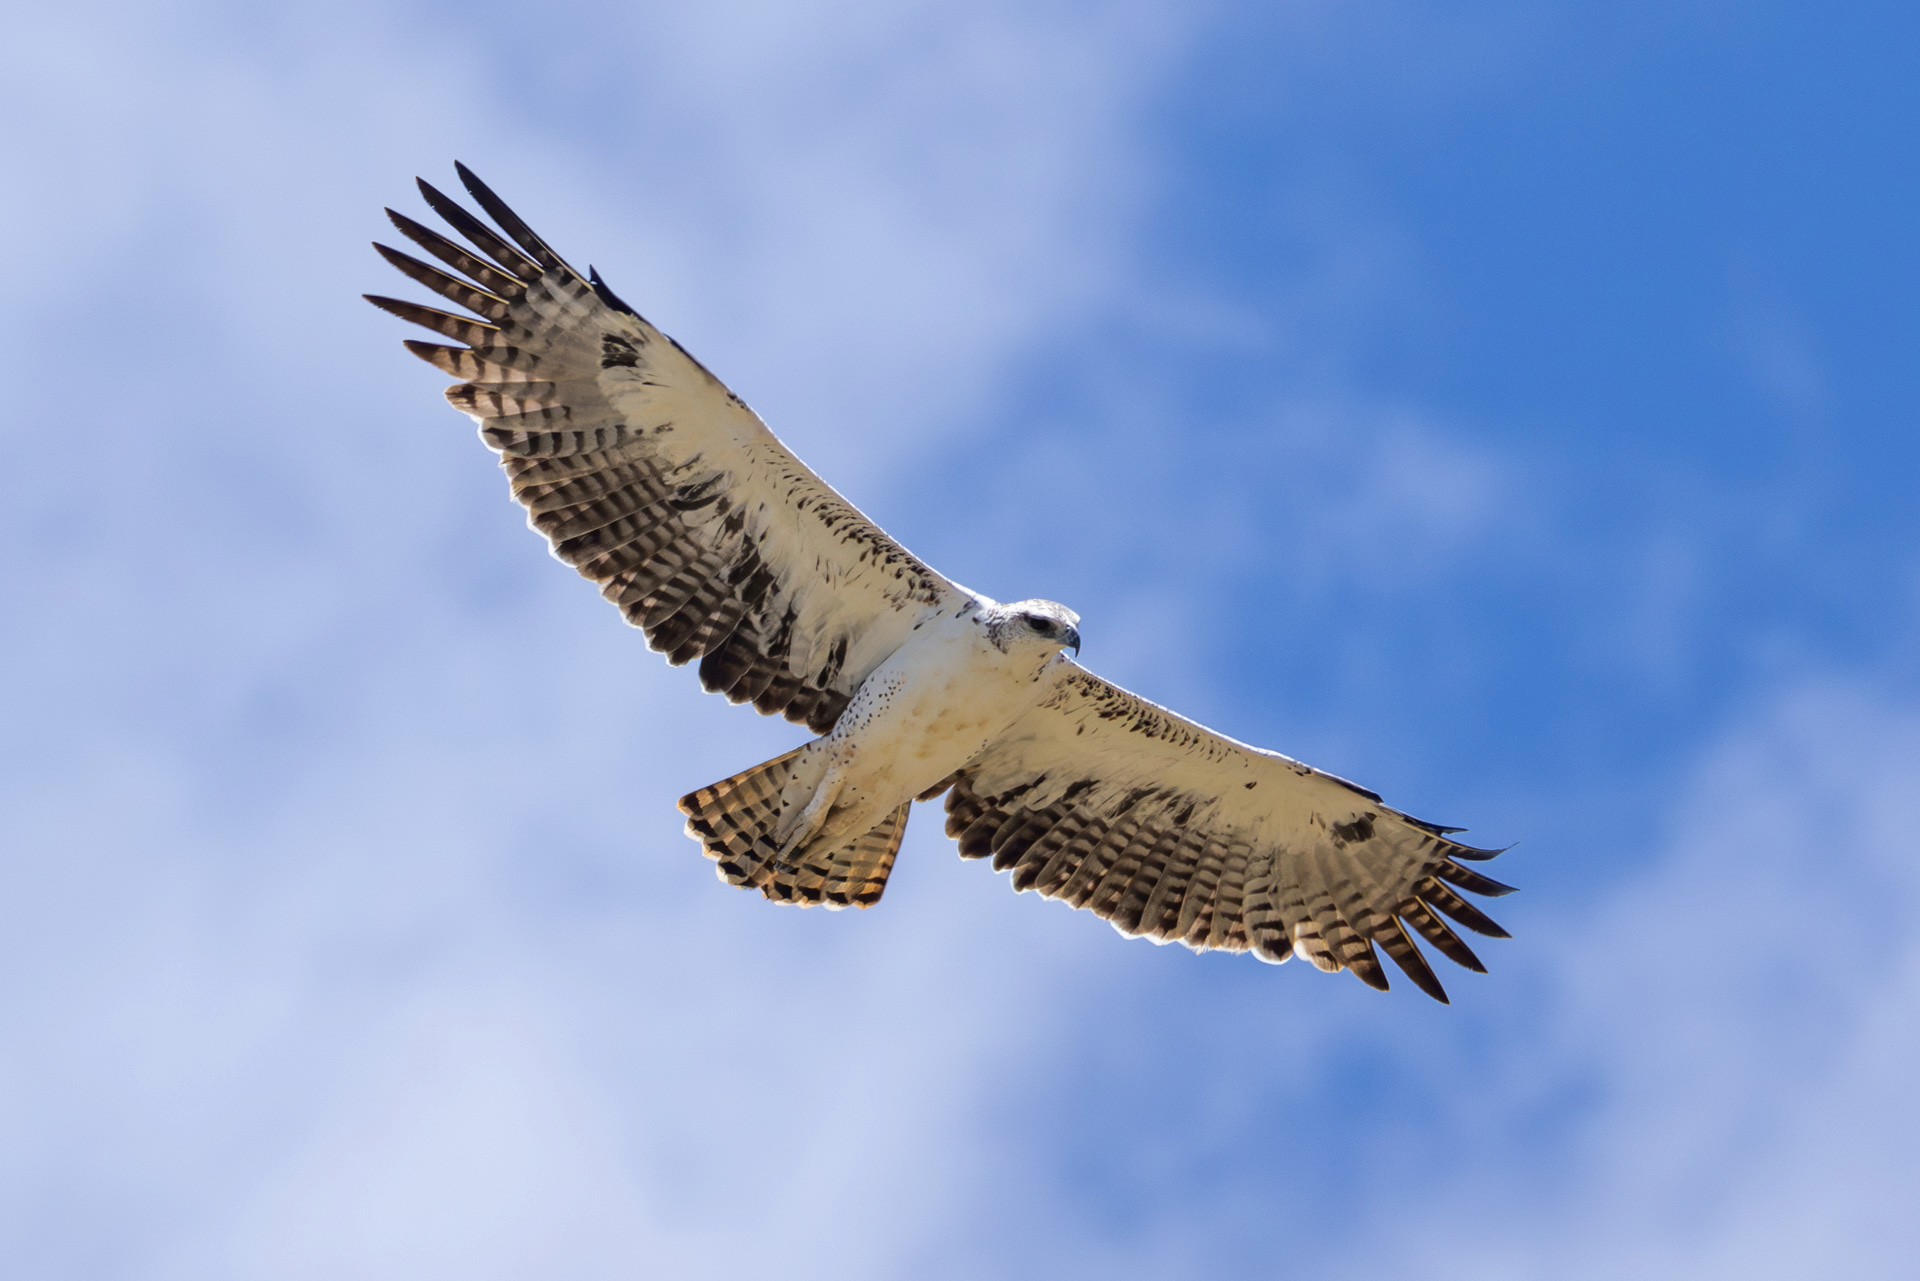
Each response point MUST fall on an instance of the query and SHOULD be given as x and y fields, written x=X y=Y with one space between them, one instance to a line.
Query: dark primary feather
x=483 y=237
x=454 y=290
x=511 y=223
x=483 y=273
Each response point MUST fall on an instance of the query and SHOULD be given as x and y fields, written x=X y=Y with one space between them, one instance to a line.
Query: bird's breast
x=928 y=710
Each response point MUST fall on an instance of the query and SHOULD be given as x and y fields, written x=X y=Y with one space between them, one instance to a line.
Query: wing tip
x=524 y=236
x=1471 y=881
x=1372 y=975
x=1473 y=853
x=607 y=295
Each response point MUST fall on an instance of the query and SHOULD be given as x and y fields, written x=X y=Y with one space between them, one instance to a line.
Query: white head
x=1040 y=628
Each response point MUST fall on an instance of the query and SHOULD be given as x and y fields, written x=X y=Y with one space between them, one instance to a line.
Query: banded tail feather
x=734 y=821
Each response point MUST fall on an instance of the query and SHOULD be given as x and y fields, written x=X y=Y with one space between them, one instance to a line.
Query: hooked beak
x=1073 y=640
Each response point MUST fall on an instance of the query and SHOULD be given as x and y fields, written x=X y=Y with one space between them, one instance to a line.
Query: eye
x=1042 y=625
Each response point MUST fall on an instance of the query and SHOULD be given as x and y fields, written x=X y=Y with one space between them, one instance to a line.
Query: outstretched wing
x=1169 y=830
x=652 y=479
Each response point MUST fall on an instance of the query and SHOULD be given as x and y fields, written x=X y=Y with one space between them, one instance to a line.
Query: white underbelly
x=919 y=717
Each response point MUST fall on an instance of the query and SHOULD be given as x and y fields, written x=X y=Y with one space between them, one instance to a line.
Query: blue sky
x=1509 y=407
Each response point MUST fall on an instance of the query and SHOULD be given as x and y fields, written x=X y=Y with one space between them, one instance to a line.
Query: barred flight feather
x=459 y=328
x=487 y=276
x=1439 y=896
x=482 y=236
x=481 y=364
x=453 y=290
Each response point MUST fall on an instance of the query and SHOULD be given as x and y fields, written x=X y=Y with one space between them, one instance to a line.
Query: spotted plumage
x=662 y=487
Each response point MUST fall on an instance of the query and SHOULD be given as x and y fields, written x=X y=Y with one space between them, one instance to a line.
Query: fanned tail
x=734 y=821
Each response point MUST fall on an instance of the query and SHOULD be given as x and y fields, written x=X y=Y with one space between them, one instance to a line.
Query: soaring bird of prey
x=657 y=483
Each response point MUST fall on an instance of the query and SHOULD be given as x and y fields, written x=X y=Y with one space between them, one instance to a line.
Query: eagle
x=657 y=483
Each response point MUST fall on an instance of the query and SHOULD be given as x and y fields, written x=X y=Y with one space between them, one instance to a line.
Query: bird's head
x=1039 y=623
